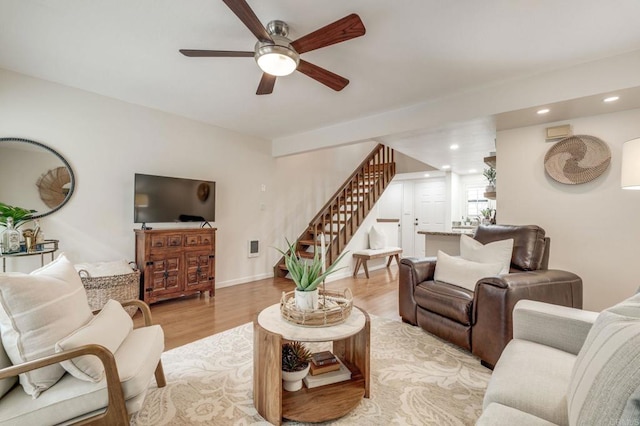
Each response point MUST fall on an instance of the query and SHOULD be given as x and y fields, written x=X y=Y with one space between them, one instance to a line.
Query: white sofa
x=566 y=366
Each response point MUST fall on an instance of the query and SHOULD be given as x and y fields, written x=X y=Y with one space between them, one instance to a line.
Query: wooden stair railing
x=342 y=215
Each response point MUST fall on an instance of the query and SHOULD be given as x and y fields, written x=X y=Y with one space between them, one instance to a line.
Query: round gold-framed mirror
x=34 y=176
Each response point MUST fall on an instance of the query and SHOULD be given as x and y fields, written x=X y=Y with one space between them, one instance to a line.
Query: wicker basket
x=335 y=307
x=118 y=287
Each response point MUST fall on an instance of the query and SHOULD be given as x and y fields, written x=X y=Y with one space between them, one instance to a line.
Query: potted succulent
x=490 y=174
x=295 y=365
x=486 y=215
x=307 y=274
x=18 y=214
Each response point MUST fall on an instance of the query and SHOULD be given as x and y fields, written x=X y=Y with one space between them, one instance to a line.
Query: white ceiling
x=414 y=51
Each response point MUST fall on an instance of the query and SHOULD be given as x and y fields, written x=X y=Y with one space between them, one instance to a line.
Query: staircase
x=345 y=211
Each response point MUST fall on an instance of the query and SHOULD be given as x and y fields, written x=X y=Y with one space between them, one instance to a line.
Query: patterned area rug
x=416 y=379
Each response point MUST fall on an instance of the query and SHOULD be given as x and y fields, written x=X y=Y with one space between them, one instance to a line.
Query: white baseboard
x=243 y=280
x=346 y=273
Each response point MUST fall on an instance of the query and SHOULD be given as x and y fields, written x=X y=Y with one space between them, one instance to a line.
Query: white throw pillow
x=497 y=251
x=377 y=238
x=605 y=381
x=108 y=328
x=37 y=310
x=462 y=272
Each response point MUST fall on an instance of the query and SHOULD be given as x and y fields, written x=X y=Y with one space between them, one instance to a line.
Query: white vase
x=306 y=300
x=292 y=380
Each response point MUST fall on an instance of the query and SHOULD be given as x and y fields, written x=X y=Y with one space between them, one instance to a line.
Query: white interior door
x=430 y=209
x=390 y=207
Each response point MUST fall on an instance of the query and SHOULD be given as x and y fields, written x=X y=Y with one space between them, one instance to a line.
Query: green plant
x=307 y=273
x=486 y=213
x=490 y=174
x=18 y=214
x=295 y=356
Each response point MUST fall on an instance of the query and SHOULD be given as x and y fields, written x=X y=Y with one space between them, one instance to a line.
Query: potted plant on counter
x=307 y=274
x=295 y=365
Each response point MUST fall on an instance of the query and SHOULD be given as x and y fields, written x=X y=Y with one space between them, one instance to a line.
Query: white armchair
x=567 y=366
x=110 y=401
x=73 y=366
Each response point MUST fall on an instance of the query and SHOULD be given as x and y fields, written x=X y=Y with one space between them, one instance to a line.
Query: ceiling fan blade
x=266 y=84
x=329 y=79
x=216 y=53
x=342 y=30
x=248 y=18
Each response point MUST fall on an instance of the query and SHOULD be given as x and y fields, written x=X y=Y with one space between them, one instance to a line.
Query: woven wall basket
x=577 y=159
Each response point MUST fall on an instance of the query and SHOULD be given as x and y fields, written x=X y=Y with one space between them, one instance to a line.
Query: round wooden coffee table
x=350 y=343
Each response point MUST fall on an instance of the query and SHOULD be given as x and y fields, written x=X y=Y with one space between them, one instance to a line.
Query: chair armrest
x=422 y=269
x=495 y=297
x=116 y=412
x=144 y=308
x=413 y=271
x=557 y=326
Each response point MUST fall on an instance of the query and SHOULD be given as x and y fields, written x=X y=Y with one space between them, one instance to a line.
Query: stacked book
x=326 y=368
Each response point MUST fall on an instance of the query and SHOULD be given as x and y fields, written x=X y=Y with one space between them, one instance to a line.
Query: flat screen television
x=159 y=199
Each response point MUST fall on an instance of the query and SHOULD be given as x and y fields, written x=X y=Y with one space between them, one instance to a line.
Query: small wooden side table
x=350 y=343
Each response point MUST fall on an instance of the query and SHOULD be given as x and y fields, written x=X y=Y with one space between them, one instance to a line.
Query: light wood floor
x=188 y=319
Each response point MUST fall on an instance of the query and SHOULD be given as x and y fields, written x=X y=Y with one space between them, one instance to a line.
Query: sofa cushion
x=108 y=328
x=462 y=272
x=377 y=238
x=532 y=378
x=136 y=358
x=37 y=310
x=605 y=382
x=446 y=300
x=528 y=243
x=501 y=415
x=495 y=252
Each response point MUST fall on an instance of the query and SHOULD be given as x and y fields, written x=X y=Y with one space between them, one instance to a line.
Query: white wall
x=107 y=141
x=594 y=227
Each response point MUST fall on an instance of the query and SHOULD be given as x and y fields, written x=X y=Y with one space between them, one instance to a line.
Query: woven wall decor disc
x=577 y=159
x=52 y=186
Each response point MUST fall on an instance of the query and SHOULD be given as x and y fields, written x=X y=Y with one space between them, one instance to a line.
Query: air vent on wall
x=254 y=248
x=558 y=132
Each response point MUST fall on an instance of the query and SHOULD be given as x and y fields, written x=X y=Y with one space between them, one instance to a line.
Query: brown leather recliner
x=480 y=321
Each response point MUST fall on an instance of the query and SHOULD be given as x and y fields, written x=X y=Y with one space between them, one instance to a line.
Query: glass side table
x=48 y=247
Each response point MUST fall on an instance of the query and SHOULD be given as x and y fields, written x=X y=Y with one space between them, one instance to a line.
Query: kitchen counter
x=447 y=241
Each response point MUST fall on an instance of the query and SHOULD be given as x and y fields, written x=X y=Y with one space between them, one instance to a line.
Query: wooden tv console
x=175 y=262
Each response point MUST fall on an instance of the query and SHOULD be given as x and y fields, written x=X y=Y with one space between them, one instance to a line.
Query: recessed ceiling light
x=446 y=166
x=454 y=146
x=611 y=99
x=543 y=111
x=473 y=171
x=427 y=175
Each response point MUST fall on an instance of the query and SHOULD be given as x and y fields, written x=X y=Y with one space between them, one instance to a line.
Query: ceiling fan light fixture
x=277 y=60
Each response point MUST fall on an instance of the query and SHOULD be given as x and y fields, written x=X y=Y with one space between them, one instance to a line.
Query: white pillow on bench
x=377 y=238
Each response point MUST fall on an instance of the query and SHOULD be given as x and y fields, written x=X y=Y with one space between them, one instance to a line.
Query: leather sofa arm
x=116 y=412
x=413 y=271
x=556 y=326
x=422 y=269
x=495 y=298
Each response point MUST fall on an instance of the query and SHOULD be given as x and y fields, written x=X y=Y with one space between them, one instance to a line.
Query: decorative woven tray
x=335 y=307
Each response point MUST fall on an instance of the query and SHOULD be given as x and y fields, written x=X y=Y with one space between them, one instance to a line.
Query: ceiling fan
x=277 y=55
